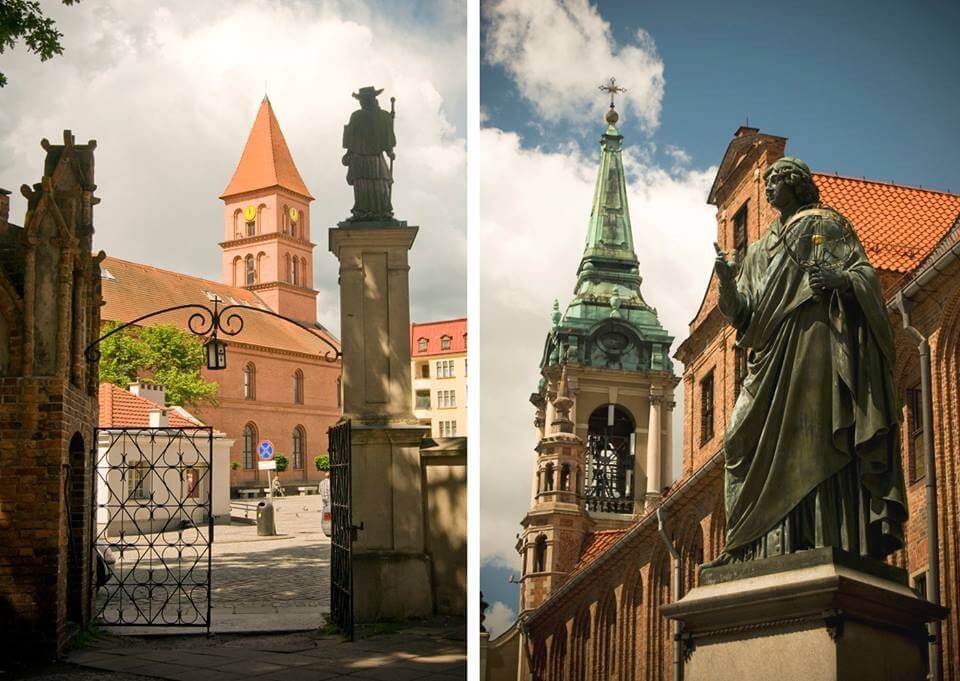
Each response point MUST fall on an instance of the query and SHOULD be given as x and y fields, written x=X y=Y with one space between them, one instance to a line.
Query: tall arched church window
x=609 y=478
x=285 y=219
x=249 y=381
x=249 y=443
x=540 y=554
x=296 y=272
x=237 y=271
x=251 y=271
x=299 y=438
x=298 y=387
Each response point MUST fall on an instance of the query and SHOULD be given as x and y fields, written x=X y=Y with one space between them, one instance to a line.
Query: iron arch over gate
x=341 y=553
x=153 y=515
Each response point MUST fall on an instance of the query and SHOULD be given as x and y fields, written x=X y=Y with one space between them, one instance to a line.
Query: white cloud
x=169 y=90
x=499 y=617
x=557 y=50
x=534 y=209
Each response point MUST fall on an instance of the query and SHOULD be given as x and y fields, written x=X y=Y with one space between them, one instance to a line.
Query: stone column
x=391 y=570
x=666 y=456
x=653 y=448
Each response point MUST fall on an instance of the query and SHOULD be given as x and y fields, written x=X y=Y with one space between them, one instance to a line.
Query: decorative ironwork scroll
x=154 y=525
x=341 y=554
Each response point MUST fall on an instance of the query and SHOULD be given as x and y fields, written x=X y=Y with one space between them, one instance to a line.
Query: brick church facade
x=278 y=384
x=600 y=617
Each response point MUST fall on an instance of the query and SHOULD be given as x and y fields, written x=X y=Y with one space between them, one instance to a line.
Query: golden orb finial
x=612 y=116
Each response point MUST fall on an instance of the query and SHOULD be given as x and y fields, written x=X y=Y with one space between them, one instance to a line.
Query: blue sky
x=863 y=89
x=860 y=88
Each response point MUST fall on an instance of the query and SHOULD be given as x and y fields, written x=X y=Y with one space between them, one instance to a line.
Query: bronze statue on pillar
x=368 y=137
x=813 y=446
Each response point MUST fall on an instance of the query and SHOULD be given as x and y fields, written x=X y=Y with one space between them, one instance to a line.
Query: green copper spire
x=608 y=324
x=609 y=260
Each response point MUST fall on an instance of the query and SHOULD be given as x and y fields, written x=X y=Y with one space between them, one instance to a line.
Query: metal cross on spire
x=611 y=87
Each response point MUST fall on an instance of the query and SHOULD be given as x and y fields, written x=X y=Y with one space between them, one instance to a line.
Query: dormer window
x=445 y=342
x=422 y=345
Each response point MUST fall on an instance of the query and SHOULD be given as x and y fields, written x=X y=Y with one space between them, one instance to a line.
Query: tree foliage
x=24 y=20
x=322 y=462
x=162 y=354
x=282 y=462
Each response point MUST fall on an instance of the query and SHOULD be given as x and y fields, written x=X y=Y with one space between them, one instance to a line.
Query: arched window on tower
x=261 y=257
x=237 y=219
x=565 y=477
x=304 y=279
x=540 y=554
x=298 y=387
x=249 y=443
x=251 y=271
x=237 y=270
x=296 y=272
x=249 y=381
x=288 y=273
x=302 y=221
x=548 y=478
x=285 y=220
x=609 y=479
x=299 y=445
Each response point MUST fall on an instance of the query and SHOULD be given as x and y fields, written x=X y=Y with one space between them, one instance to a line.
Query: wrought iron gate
x=153 y=526
x=341 y=554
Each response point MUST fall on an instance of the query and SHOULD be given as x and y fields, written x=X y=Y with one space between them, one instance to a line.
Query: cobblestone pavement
x=280 y=582
x=434 y=650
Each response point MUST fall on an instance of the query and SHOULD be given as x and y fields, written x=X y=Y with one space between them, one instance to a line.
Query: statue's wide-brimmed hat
x=368 y=91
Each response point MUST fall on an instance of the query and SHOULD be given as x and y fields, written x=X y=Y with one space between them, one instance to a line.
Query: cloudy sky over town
x=842 y=85
x=170 y=90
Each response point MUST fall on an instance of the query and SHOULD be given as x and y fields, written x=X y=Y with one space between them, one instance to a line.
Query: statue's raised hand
x=724 y=269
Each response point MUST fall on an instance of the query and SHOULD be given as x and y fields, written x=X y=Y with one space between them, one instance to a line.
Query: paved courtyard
x=433 y=650
x=259 y=583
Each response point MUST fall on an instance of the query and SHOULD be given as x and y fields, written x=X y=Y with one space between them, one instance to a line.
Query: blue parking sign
x=265 y=450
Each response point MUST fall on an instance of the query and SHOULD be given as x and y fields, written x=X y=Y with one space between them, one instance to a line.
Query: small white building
x=154 y=465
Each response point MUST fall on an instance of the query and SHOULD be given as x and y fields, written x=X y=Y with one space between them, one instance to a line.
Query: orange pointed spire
x=266 y=161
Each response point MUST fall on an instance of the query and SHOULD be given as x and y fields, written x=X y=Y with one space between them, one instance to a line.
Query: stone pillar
x=391 y=570
x=666 y=455
x=653 y=448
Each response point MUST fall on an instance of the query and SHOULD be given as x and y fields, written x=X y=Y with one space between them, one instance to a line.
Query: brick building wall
x=48 y=407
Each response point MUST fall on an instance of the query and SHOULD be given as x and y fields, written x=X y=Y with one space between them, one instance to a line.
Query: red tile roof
x=456 y=329
x=131 y=290
x=266 y=161
x=597 y=543
x=120 y=408
x=897 y=225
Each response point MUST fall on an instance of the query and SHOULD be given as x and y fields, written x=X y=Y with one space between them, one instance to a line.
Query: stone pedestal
x=391 y=569
x=818 y=615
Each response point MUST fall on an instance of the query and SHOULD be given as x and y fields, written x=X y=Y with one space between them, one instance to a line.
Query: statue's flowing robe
x=366 y=137
x=812 y=448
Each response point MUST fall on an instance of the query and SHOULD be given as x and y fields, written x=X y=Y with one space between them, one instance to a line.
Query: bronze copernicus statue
x=367 y=137
x=813 y=446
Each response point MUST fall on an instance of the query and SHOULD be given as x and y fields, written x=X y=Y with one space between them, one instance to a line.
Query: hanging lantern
x=216 y=352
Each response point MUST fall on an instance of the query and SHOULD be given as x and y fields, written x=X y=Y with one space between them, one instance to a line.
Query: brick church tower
x=604 y=404
x=266 y=247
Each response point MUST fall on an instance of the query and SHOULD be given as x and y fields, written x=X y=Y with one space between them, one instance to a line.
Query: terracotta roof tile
x=596 y=544
x=131 y=290
x=456 y=329
x=897 y=225
x=266 y=160
x=120 y=408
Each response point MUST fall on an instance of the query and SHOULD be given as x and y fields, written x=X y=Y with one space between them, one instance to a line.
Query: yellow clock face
x=249 y=213
x=293 y=215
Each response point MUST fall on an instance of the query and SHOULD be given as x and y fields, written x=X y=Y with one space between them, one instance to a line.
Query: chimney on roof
x=158 y=418
x=149 y=391
x=4 y=206
x=743 y=131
